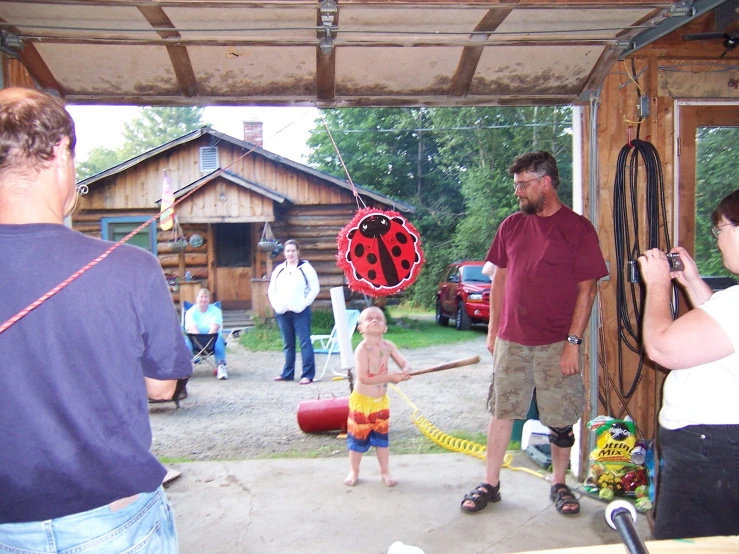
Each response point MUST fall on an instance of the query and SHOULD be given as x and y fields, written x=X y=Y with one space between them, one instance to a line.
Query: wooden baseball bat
x=448 y=365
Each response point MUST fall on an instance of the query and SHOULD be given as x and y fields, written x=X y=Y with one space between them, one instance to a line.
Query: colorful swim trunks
x=368 y=422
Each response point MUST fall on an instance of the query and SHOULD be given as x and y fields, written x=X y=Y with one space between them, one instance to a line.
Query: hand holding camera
x=673 y=259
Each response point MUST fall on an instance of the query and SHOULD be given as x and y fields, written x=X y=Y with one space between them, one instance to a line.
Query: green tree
x=99 y=159
x=153 y=127
x=451 y=163
x=484 y=142
x=715 y=178
x=393 y=151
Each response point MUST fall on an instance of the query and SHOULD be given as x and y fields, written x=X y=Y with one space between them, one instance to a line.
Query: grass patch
x=327 y=451
x=170 y=460
x=415 y=445
x=406 y=309
x=405 y=332
x=479 y=438
x=262 y=337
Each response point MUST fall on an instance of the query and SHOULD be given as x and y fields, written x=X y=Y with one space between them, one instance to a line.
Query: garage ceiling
x=345 y=53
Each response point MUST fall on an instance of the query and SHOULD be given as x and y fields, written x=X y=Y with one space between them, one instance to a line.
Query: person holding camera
x=698 y=433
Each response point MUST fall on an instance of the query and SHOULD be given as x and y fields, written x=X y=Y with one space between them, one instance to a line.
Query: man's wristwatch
x=574 y=339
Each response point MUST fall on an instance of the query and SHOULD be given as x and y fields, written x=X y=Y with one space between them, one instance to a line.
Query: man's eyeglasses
x=521 y=185
x=716 y=230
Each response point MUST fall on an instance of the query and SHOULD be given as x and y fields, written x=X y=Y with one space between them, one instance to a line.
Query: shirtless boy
x=369 y=405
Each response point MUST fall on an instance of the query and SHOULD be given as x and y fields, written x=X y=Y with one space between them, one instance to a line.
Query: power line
x=437 y=129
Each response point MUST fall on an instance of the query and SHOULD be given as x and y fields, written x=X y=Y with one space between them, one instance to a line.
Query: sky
x=285 y=130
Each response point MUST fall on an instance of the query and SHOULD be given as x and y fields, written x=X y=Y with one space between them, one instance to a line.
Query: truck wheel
x=462 y=321
x=441 y=319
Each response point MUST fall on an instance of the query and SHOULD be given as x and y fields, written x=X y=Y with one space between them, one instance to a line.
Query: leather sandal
x=562 y=496
x=481 y=495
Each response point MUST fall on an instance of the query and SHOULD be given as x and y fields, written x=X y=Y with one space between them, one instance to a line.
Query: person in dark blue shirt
x=75 y=463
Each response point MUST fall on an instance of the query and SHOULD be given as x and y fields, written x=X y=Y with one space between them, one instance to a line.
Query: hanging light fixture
x=328 y=11
x=327 y=44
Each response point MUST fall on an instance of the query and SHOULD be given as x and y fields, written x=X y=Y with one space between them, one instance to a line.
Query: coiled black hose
x=626 y=224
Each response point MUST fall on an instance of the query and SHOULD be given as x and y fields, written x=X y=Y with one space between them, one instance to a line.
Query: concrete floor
x=302 y=506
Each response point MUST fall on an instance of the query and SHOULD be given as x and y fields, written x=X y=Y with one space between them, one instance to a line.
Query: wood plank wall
x=618 y=112
x=316 y=229
x=222 y=201
x=141 y=186
x=15 y=74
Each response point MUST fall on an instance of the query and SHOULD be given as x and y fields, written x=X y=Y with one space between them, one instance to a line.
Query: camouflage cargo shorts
x=518 y=369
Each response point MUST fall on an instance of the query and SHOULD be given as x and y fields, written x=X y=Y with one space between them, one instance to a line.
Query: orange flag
x=166 y=217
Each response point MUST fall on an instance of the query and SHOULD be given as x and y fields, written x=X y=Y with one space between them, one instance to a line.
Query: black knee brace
x=563 y=437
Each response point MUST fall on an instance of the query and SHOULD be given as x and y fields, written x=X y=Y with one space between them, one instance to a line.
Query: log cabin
x=234 y=203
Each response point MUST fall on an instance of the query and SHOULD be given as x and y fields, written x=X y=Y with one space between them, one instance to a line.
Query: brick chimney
x=253 y=132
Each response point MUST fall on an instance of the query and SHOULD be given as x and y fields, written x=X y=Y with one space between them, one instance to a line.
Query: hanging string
x=348 y=177
x=36 y=303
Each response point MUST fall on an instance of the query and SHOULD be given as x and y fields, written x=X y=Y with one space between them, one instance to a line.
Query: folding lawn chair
x=203 y=344
x=329 y=344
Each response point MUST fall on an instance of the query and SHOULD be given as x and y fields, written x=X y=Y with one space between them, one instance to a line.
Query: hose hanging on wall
x=626 y=223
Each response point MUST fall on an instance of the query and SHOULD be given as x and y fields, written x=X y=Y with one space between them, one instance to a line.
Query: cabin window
x=233 y=244
x=208 y=159
x=116 y=228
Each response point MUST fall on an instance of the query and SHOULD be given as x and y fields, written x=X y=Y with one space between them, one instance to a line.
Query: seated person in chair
x=204 y=318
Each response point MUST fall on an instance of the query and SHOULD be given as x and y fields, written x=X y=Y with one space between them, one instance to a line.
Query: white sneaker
x=221 y=372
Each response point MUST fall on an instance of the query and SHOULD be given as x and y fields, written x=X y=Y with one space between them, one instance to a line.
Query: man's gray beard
x=533 y=208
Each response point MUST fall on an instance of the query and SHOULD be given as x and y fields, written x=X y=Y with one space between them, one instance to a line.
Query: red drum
x=323 y=414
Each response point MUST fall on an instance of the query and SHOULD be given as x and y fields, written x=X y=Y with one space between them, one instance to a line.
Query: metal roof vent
x=208 y=159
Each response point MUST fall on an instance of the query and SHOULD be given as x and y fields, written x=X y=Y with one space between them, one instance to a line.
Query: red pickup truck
x=464 y=295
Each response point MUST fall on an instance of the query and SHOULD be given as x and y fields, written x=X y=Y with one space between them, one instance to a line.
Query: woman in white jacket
x=292 y=289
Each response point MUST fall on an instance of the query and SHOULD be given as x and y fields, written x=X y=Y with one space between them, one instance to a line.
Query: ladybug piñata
x=380 y=252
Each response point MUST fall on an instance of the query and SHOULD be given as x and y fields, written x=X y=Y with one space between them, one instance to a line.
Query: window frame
x=105 y=225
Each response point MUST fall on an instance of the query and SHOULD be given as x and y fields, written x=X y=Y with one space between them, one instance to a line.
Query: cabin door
x=234 y=257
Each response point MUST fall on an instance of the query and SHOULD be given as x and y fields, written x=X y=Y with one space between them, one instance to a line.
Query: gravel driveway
x=251 y=416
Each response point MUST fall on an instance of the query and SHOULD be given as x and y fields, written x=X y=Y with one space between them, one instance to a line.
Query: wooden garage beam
x=177 y=52
x=467 y=65
x=325 y=64
x=344 y=43
x=598 y=73
x=534 y=4
x=35 y=65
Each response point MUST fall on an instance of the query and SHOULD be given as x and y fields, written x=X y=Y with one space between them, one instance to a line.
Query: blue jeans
x=146 y=526
x=219 y=349
x=698 y=488
x=291 y=323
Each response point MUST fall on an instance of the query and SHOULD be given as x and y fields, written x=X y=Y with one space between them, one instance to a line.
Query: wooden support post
x=181 y=256
x=212 y=285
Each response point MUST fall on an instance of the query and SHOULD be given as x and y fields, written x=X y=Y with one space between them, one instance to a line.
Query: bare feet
x=352 y=478
x=388 y=480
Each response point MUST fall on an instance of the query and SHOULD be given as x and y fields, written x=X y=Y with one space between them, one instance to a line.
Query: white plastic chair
x=329 y=344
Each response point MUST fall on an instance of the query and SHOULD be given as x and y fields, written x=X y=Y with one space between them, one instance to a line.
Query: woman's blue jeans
x=291 y=323
x=698 y=488
x=146 y=526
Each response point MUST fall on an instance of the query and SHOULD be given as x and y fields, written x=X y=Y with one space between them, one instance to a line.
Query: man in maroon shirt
x=547 y=262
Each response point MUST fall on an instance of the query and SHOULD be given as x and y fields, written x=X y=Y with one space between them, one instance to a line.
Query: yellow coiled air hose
x=455 y=444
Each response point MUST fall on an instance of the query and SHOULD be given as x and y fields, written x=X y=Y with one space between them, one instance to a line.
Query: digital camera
x=673 y=258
